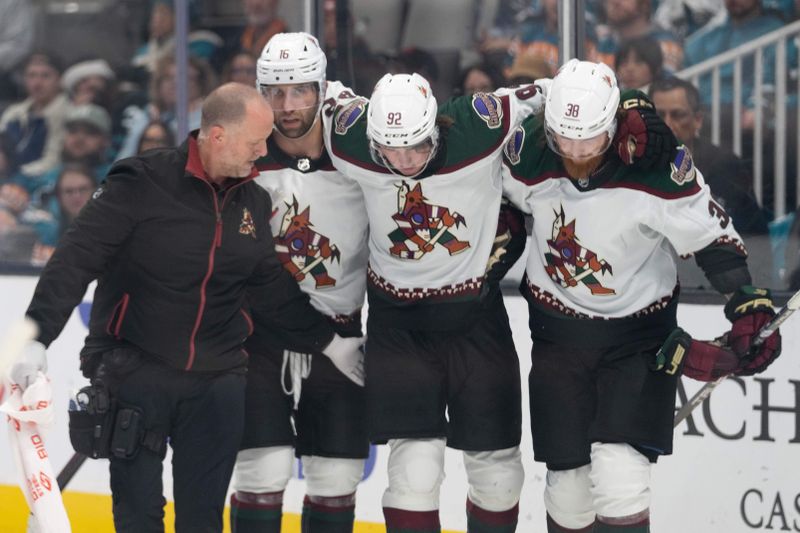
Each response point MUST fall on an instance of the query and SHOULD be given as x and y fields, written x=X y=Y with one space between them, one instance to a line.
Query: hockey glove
x=509 y=243
x=347 y=356
x=27 y=367
x=700 y=360
x=642 y=138
x=749 y=310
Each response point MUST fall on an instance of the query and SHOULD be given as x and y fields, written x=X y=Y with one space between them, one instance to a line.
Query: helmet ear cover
x=582 y=103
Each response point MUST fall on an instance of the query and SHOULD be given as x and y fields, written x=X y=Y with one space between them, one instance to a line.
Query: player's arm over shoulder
x=676 y=179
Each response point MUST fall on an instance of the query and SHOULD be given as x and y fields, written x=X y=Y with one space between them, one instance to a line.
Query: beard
x=305 y=121
x=582 y=169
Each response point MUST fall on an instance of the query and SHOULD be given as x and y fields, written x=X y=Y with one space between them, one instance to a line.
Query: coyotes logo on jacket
x=568 y=262
x=423 y=225
x=302 y=250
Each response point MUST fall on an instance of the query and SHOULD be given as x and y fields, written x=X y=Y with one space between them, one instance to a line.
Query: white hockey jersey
x=430 y=237
x=609 y=249
x=320 y=228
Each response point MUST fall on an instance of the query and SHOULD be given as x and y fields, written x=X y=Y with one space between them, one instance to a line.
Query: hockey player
x=437 y=325
x=602 y=293
x=328 y=258
x=436 y=342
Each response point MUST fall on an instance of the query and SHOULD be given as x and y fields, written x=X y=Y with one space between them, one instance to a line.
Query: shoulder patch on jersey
x=349 y=115
x=489 y=108
x=683 y=170
x=513 y=147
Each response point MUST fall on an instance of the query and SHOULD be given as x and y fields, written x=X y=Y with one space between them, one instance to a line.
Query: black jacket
x=179 y=264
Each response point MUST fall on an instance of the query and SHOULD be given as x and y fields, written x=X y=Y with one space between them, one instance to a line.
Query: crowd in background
x=62 y=125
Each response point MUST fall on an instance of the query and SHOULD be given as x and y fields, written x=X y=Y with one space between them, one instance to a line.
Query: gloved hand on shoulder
x=642 y=138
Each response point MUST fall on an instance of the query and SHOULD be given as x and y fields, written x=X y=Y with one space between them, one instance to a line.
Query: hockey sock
x=402 y=521
x=553 y=527
x=482 y=521
x=256 y=513
x=328 y=515
x=642 y=526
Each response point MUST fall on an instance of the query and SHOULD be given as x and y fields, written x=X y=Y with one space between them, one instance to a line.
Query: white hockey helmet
x=582 y=105
x=291 y=58
x=402 y=115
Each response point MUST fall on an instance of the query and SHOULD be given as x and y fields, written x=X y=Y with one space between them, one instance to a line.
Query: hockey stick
x=769 y=328
x=70 y=469
x=19 y=334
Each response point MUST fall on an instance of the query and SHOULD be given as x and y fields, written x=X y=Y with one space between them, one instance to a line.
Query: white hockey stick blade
x=11 y=345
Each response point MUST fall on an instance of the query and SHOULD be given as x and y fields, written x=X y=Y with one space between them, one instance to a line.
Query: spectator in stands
x=87 y=141
x=241 y=68
x=161 y=43
x=479 y=78
x=538 y=35
x=155 y=135
x=30 y=227
x=638 y=62
x=528 y=68
x=74 y=188
x=262 y=23
x=36 y=125
x=745 y=21
x=629 y=19
x=678 y=103
x=202 y=80
x=16 y=40
x=89 y=82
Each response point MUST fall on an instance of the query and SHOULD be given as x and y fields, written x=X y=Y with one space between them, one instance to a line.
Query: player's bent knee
x=568 y=497
x=495 y=478
x=620 y=478
x=261 y=470
x=331 y=476
x=416 y=472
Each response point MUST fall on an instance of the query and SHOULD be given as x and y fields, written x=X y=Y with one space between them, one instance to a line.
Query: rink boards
x=735 y=466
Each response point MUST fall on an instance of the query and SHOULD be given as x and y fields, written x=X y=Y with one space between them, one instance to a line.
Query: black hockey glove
x=509 y=243
x=642 y=138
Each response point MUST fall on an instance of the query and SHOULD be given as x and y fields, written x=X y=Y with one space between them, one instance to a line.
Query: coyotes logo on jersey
x=423 y=224
x=568 y=262
x=302 y=250
x=247 y=226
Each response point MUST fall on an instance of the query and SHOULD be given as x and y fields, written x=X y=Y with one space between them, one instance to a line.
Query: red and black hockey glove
x=700 y=360
x=642 y=138
x=749 y=309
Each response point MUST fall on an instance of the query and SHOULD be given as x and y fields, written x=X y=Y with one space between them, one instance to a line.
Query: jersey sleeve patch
x=488 y=108
x=513 y=147
x=683 y=170
x=349 y=115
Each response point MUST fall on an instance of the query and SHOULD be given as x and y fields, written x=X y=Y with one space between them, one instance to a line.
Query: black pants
x=203 y=416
